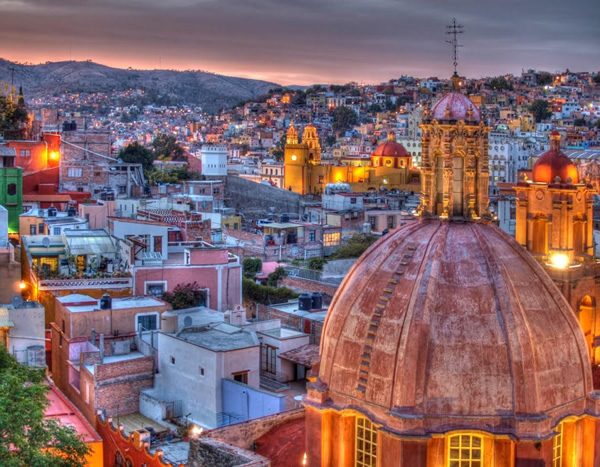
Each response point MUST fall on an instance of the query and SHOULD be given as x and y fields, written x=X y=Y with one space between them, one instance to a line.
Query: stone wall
x=255 y=199
x=307 y=286
x=244 y=434
x=207 y=452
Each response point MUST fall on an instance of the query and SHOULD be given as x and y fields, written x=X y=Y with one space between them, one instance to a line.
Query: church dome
x=455 y=106
x=390 y=149
x=444 y=325
x=554 y=163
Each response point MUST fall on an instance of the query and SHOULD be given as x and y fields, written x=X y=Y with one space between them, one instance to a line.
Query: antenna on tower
x=454 y=30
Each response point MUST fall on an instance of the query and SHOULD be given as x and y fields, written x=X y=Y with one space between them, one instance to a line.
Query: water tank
x=317 y=301
x=105 y=302
x=304 y=302
x=52 y=212
x=71 y=212
x=168 y=322
x=285 y=218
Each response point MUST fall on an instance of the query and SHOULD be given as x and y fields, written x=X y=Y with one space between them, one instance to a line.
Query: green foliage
x=135 y=153
x=265 y=294
x=251 y=267
x=166 y=146
x=539 y=110
x=330 y=140
x=27 y=438
x=185 y=296
x=596 y=78
x=580 y=122
x=316 y=263
x=355 y=246
x=543 y=78
x=12 y=118
x=500 y=83
x=374 y=108
x=276 y=276
x=344 y=118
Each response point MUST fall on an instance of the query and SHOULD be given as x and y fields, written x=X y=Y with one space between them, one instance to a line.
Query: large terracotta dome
x=444 y=325
x=455 y=106
x=554 y=163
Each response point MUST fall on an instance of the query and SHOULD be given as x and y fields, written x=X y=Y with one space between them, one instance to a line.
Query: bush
x=316 y=263
x=185 y=296
x=276 y=276
x=251 y=267
x=355 y=247
x=265 y=294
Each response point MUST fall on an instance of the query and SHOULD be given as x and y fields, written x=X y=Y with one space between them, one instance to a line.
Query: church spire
x=292 y=134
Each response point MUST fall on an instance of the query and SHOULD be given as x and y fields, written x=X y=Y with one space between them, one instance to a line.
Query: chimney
x=237 y=316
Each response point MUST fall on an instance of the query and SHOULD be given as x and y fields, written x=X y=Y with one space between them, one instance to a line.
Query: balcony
x=117 y=280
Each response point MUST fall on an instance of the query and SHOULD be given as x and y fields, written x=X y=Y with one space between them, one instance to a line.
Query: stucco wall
x=250 y=197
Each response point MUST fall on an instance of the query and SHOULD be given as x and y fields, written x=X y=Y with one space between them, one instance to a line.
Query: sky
x=307 y=41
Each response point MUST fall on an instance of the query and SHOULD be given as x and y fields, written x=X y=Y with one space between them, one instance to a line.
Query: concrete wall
x=246 y=403
x=28 y=330
x=249 y=197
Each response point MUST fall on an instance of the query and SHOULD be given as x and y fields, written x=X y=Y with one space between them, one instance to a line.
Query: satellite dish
x=46 y=242
x=119 y=160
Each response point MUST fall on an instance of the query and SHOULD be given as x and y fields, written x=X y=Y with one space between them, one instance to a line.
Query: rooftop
x=66 y=413
x=283 y=333
x=79 y=303
x=115 y=359
x=219 y=337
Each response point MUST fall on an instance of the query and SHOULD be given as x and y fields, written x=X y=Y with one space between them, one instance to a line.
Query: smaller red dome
x=390 y=149
x=554 y=163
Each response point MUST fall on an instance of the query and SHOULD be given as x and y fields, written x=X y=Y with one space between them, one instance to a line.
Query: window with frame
x=312 y=236
x=74 y=172
x=147 y=322
x=32 y=229
x=25 y=152
x=240 y=376
x=156 y=290
x=11 y=189
x=366 y=443
x=269 y=359
x=41 y=227
x=56 y=231
x=557 y=445
x=332 y=239
x=391 y=222
x=465 y=451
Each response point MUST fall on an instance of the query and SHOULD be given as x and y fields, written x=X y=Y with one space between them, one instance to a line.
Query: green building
x=11 y=187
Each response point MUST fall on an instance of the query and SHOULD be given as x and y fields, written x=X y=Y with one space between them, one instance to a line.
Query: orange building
x=555 y=223
x=390 y=166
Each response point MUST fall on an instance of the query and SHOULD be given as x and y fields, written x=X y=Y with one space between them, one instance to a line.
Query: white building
x=214 y=160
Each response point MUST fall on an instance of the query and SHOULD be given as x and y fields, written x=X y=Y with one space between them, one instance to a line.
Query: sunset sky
x=306 y=41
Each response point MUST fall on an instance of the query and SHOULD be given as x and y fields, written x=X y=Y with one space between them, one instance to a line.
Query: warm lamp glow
x=304 y=459
x=294 y=157
x=196 y=430
x=53 y=155
x=22 y=285
x=559 y=260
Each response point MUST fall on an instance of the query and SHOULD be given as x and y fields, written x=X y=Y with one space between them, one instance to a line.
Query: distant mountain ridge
x=209 y=90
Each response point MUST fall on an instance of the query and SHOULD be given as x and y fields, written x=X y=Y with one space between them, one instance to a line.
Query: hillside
x=211 y=91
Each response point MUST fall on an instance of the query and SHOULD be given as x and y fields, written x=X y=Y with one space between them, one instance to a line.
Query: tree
x=27 y=437
x=344 y=118
x=539 y=110
x=166 y=146
x=355 y=246
x=596 y=78
x=251 y=267
x=135 y=153
x=185 y=296
x=579 y=122
x=543 y=78
x=316 y=263
x=276 y=276
x=500 y=83
x=12 y=119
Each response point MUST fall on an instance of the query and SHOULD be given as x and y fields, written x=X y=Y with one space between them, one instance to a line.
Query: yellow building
x=390 y=166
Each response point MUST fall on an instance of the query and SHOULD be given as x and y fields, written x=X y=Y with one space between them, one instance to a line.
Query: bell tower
x=555 y=223
x=454 y=167
x=296 y=161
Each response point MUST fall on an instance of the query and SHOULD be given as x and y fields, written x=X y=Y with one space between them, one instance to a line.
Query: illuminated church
x=305 y=173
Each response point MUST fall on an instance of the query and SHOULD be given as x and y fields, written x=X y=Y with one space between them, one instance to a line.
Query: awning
x=304 y=355
x=90 y=245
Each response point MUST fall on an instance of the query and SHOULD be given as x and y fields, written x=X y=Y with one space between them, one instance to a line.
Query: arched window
x=578 y=234
x=539 y=235
x=366 y=443
x=465 y=451
x=557 y=447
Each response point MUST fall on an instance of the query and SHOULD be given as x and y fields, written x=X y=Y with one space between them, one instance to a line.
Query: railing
x=302 y=273
x=78 y=284
x=224 y=419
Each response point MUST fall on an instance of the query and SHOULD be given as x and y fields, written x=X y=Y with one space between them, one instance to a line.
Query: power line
x=454 y=30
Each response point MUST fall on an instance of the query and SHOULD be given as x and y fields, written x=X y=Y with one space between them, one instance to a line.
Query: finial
x=453 y=30
x=391 y=136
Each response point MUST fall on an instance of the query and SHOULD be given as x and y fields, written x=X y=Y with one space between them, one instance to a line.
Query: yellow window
x=366 y=443
x=465 y=451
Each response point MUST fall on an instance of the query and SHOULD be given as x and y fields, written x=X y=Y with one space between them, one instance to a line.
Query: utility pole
x=454 y=30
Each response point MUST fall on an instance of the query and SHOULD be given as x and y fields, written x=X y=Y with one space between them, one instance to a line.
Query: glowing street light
x=54 y=155
x=22 y=285
x=559 y=260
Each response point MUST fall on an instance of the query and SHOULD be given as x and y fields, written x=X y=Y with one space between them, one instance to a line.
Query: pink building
x=158 y=263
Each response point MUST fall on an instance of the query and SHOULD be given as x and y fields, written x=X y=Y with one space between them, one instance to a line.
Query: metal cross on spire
x=454 y=30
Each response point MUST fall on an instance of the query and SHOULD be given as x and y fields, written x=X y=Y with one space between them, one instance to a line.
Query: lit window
x=465 y=451
x=557 y=447
x=332 y=239
x=366 y=443
x=25 y=152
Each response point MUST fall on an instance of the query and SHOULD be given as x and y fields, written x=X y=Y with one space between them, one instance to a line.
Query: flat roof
x=116 y=358
x=61 y=409
x=292 y=308
x=282 y=333
x=79 y=303
x=219 y=337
